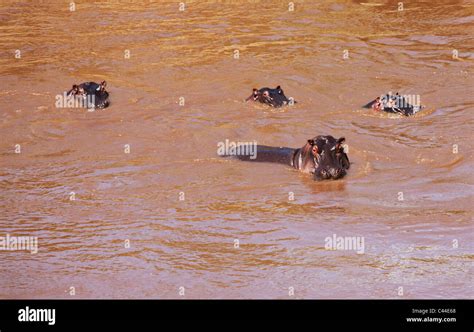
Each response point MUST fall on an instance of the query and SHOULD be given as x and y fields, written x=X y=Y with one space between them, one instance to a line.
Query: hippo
x=95 y=94
x=273 y=97
x=322 y=156
x=394 y=104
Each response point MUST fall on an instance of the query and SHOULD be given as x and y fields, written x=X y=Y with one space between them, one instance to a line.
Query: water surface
x=190 y=243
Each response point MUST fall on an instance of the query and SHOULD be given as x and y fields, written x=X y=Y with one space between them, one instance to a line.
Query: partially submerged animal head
x=402 y=104
x=329 y=157
x=87 y=88
x=95 y=94
x=273 y=97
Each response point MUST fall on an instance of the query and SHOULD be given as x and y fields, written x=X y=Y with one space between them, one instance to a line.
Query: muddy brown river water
x=172 y=216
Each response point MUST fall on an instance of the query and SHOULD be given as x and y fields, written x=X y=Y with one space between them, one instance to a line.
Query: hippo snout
x=330 y=173
x=337 y=173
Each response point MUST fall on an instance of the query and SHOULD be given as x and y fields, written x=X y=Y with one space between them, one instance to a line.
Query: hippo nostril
x=324 y=174
x=337 y=173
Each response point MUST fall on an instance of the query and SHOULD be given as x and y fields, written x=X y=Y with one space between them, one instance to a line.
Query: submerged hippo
x=273 y=97
x=395 y=104
x=322 y=156
x=94 y=95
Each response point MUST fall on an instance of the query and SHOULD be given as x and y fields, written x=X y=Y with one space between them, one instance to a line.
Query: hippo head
x=94 y=95
x=394 y=103
x=330 y=160
x=87 y=88
x=273 y=97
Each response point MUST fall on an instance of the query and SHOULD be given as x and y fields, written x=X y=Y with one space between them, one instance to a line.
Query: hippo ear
x=311 y=142
x=74 y=89
x=339 y=142
x=102 y=86
x=253 y=96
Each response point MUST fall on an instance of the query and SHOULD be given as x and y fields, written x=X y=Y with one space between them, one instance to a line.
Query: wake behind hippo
x=401 y=104
x=322 y=156
x=93 y=94
x=273 y=97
